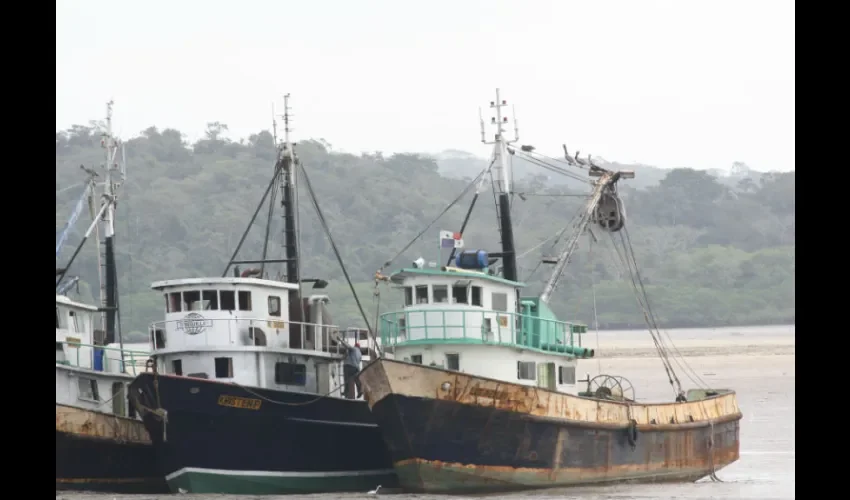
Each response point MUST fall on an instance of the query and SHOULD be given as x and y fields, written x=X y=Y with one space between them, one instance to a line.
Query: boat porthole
x=194 y=390
x=446 y=386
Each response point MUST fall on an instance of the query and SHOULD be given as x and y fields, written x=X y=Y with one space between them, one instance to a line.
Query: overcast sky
x=698 y=84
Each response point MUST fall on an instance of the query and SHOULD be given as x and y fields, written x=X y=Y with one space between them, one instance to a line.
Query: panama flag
x=449 y=239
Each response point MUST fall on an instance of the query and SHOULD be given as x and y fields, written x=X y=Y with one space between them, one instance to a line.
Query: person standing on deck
x=351 y=367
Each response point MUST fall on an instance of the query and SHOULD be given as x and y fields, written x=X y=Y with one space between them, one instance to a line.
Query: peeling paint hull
x=457 y=441
x=99 y=452
x=262 y=448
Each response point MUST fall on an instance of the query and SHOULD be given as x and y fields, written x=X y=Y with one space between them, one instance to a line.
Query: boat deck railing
x=481 y=326
x=251 y=331
x=81 y=355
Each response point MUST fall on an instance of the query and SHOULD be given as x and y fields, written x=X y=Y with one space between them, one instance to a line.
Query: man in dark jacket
x=351 y=367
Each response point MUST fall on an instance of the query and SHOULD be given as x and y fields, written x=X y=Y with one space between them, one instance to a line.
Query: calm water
x=757 y=362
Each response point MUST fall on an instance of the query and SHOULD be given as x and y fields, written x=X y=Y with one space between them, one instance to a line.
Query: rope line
x=595 y=315
x=327 y=230
x=450 y=205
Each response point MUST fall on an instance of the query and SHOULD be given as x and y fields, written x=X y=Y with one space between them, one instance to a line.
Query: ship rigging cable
x=558 y=236
x=496 y=204
x=448 y=207
x=662 y=354
x=269 y=220
x=593 y=292
x=327 y=230
x=684 y=365
x=637 y=284
x=553 y=168
x=378 y=274
x=652 y=324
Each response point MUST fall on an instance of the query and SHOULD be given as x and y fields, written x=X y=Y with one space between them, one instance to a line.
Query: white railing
x=81 y=355
x=226 y=330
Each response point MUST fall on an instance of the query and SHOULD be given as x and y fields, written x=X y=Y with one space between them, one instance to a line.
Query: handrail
x=429 y=325
x=136 y=357
x=326 y=330
x=259 y=320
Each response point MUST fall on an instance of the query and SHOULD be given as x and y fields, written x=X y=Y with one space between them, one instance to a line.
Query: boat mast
x=115 y=176
x=283 y=180
x=97 y=218
x=104 y=221
x=290 y=212
x=502 y=183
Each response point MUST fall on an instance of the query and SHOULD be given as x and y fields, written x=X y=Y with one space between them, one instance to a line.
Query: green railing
x=481 y=326
x=133 y=361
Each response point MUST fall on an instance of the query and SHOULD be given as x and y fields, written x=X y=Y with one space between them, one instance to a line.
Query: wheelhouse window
x=421 y=294
x=274 y=306
x=228 y=300
x=244 y=301
x=476 y=295
x=408 y=295
x=192 y=300
x=460 y=294
x=210 y=300
x=453 y=362
x=74 y=322
x=441 y=294
x=158 y=339
x=174 y=302
x=499 y=301
x=290 y=374
x=223 y=367
x=416 y=358
x=87 y=389
x=567 y=375
x=61 y=317
x=177 y=367
x=526 y=370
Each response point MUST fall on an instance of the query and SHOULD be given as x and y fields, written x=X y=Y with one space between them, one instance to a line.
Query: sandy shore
x=732 y=341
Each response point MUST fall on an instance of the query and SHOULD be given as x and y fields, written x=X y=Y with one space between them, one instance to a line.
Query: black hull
x=87 y=463
x=441 y=446
x=212 y=443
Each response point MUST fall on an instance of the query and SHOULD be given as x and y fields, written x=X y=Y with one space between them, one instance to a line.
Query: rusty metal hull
x=100 y=452
x=460 y=441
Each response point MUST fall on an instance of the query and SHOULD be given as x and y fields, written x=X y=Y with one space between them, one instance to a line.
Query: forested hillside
x=711 y=253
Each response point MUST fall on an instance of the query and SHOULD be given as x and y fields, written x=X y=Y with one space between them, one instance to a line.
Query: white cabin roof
x=260 y=283
x=410 y=275
x=65 y=301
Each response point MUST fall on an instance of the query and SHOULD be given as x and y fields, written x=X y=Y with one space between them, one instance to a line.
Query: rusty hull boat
x=101 y=442
x=476 y=389
x=449 y=432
